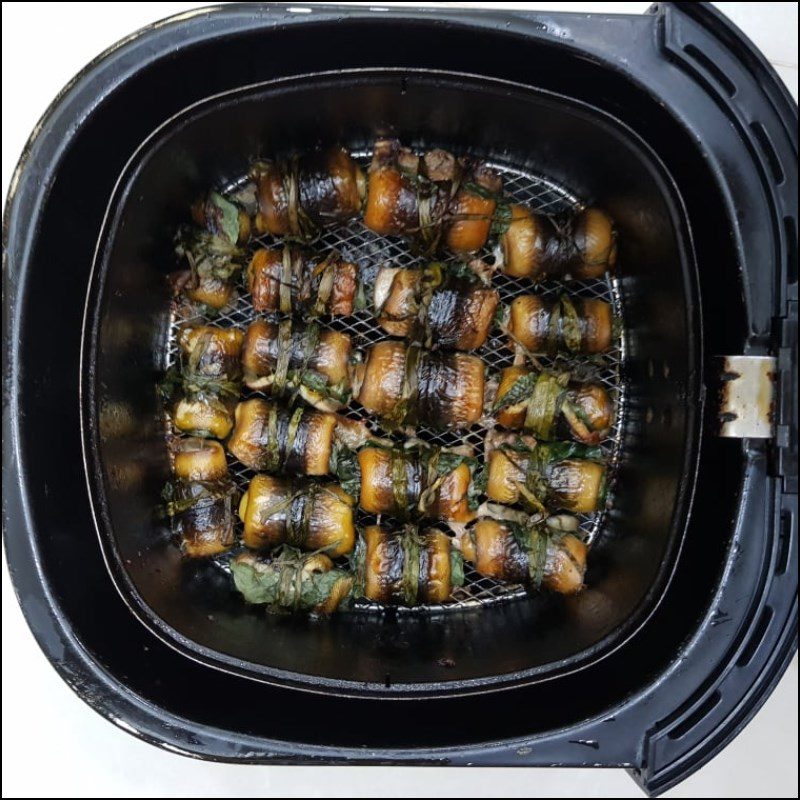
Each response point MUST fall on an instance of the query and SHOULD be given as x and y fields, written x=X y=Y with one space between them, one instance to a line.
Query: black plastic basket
x=671 y=120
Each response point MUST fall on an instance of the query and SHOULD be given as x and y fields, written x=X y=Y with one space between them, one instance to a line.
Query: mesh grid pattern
x=361 y=246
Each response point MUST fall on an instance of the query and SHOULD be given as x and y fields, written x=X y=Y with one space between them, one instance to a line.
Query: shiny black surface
x=725 y=630
x=125 y=349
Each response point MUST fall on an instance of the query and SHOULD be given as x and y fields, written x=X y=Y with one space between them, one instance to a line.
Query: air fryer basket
x=534 y=132
x=686 y=83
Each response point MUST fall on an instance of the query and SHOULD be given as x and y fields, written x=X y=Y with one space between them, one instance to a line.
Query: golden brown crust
x=436 y=583
x=512 y=417
x=472 y=217
x=520 y=243
x=264 y=279
x=199 y=460
x=384 y=375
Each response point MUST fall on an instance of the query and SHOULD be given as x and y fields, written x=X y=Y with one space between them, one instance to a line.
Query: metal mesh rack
x=361 y=246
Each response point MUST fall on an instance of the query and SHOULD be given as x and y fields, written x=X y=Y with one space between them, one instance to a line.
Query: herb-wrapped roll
x=292 y=581
x=311 y=516
x=418 y=480
x=270 y=438
x=405 y=385
x=472 y=209
x=212 y=252
x=286 y=357
x=546 y=477
x=435 y=306
x=560 y=325
x=425 y=197
x=299 y=197
x=200 y=502
x=549 y=406
x=209 y=373
x=292 y=281
x=535 y=246
x=222 y=217
x=406 y=569
x=533 y=554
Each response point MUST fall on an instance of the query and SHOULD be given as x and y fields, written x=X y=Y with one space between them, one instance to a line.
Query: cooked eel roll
x=472 y=208
x=212 y=251
x=292 y=581
x=209 y=374
x=534 y=554
x=545 y=477
x=434 y=306
x=580 y=245
x=222 y=217
x=270 y=438
x=559 y=325
x=299 y=197
x=405 y=385
x=200 y=502
x=548 y=405
x=292 y=280
x=417 y=480
x=289 y=357
x=304 y=514
x=429 y=198
x=406 y=569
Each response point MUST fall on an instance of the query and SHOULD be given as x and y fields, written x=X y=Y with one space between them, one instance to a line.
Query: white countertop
x=55 y=746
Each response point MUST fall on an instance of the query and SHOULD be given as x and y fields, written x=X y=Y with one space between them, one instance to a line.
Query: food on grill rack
x=425 y=378
x=293 y=280
x=292 y=581
x=200 y=501
x=415 y=480
x=545 y=477
x=471 y=212
x=559 y=325
x=300 y=196
x=537 y=554
x=207 y=378
x=213 y=252
x=406 y=569
x=404 y=385
x=578 y=245
x=431 y=198
x=301 y=513
x=286 y=357
x=548 y=405
x=271 y=438
x=435 y=306
x=222 y=217
x=436 y=199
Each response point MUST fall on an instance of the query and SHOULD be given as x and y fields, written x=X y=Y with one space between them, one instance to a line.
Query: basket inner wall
x=531 y=136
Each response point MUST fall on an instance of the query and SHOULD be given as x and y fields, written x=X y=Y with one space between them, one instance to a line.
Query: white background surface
x=55 y=746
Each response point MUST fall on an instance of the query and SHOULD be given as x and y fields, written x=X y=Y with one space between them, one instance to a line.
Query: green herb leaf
x=462 y=272
x=559 y=451
x=223 y=217
x=521 y=390
x=345 y=466
x=456 y=567
x=411 y=545
x=258 y=582
x=570 y=324
x=282 y=583
x=482 y=191
x=502 y=219
x=545 y=403
x=477 y=487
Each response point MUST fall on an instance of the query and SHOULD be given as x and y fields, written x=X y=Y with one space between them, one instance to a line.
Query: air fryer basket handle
x=758 y=651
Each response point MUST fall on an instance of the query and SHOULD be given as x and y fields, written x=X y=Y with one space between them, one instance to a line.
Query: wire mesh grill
x=361 y=246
